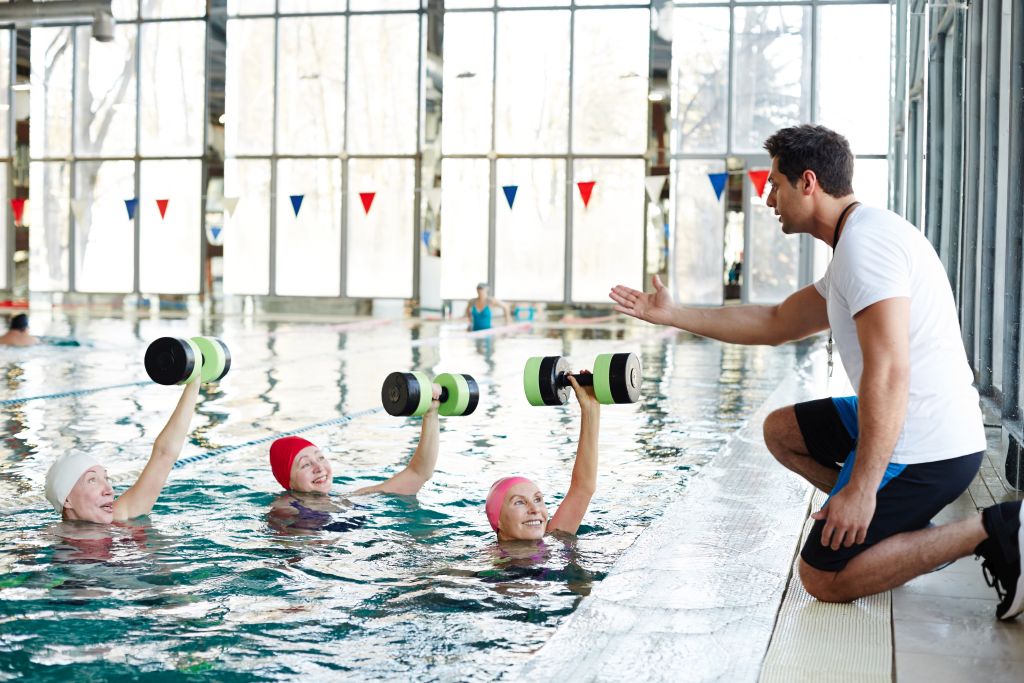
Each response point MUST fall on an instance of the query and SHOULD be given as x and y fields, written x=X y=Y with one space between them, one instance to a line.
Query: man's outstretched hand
x=654 y=307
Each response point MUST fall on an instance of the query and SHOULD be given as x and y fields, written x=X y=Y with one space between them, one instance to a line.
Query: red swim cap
x=282 y=455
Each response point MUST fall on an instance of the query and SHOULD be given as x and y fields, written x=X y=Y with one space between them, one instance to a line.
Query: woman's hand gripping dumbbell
x=410 y=393
x=616 y=379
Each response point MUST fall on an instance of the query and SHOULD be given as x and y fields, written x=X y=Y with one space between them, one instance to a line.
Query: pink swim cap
x=282 y=455
x=496 y=498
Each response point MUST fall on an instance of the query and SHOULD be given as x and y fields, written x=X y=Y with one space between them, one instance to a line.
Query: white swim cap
x=63 y=474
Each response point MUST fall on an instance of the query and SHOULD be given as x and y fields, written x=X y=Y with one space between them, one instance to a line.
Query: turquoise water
x=208 y=588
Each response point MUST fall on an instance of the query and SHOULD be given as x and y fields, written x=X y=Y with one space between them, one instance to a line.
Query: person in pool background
x=17 y=333
x=305 y=472
x=478 y=310
x=78 y=488
x=515 y=505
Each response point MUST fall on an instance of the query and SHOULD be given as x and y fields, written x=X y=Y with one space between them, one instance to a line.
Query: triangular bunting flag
x=18 y=207
x=759 y=178
x=367 y=199
x=510 y=193
x=229 y=204
x=296 y=202
x=78 y=207
x=216 y=231
x=718 y=181
x=161 y=204
x=585 y=189
x=130 y=205
x=655 y=184
x=433 y=198
x=426 y=239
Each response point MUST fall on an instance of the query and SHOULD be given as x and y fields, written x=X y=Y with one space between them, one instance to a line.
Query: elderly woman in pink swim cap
x=515 y=505
x=77 y=484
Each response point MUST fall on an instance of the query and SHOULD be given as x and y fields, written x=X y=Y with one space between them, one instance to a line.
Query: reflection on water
x=230 y=578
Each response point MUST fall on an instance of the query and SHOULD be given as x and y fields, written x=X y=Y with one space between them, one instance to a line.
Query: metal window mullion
x=204 y=169
x=570 y=168
x=729 y=108
x=986 y=319
x=72 y=252
x=421 y=108
x=492 y=222
x=138 y=159
x=345 y=179
x=971 y=113
x=272 y=238
x=12 y=70
x=1014 y=224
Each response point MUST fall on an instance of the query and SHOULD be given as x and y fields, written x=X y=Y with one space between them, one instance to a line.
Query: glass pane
x=308 y=244
x=173 y=88
x=383 y=108
x=50 y=98
x=465 y=4
x=163 y=9
x=48 y=235
x=5 y=228
x=5 y=99
x=465 y=222
x=530 y=238
x=532 y=90
x=381 y=240
x=249 y=87
x=104 y=235
x=375 y=5
x=468 y=83
x=105 y=93
x=533 y=3
x=853 y=60
x=698 y=243
x=610 y=87
x=773 y=90
x=598 y=3
x=772 y=257
x=247 y=228
x=607 y=232
x=125 y=10
x=700 y=80
x=304 y=6
x=311 y=85
x=249 y=7
x=871 y=181
x=169 y=245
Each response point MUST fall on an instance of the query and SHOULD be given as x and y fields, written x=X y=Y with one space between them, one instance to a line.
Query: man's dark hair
x=19 y=322
x=815 y=148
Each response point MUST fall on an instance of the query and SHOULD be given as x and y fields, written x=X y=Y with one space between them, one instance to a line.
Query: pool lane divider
x=73 y=392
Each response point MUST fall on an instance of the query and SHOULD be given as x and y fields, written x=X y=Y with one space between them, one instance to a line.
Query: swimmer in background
x=305 y=472
x=17 y=333
x=515 y=505
x=478 y=310
x=78 y=488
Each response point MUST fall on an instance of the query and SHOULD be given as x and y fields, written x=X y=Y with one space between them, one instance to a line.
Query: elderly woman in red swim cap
x=515 y=505
x=305 y=472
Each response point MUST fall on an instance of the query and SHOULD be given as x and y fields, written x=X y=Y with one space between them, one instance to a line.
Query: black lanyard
x=835 y=241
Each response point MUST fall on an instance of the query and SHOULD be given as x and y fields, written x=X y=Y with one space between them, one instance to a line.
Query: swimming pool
x=208 y=588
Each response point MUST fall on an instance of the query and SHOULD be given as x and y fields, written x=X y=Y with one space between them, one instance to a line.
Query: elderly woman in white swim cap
x=77 y=484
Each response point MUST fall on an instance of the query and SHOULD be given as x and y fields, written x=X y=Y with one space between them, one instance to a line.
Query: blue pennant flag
x=216 y=231
x=131 y=205
x=426 y=239
x=510 y=193
x=718 y=181
x=296 y=203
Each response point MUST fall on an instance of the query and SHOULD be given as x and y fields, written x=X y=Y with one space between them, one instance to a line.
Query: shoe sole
x=1017 y=606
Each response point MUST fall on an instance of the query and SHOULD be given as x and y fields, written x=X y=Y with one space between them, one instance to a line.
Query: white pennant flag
x=78 y=207
x=655 y=184
x=433 y=198
x=229 y=204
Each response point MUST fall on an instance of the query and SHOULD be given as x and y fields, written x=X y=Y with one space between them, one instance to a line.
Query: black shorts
x=908 y=498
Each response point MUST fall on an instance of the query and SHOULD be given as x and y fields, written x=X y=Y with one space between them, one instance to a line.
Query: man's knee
x=824 y=586
x=780 y=430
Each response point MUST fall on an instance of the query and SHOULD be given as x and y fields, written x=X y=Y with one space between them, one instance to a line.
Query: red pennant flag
x=585 y=190
x=18 y=207
x=162 y=205
x=759 y=178
x=367 y=199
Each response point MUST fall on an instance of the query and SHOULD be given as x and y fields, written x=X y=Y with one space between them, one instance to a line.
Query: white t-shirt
x=881 y=256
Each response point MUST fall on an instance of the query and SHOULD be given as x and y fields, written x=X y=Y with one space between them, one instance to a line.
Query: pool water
x=211 y=587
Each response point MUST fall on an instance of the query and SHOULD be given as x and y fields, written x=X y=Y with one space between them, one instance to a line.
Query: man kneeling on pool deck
x=77 y=484
x=515 y=505
x=912 y=439
x=303 y=469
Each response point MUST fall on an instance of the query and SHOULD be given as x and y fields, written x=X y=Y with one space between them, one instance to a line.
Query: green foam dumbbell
x=410 y=394
x=170 y=360
x=616 y=379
